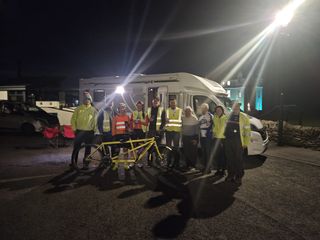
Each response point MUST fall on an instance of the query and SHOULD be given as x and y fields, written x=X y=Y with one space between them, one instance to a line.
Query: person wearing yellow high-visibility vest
x=104 y=121
x=173 y=130
x=84 y=124
x=138 y=121
x=218 y=128
x=237 y=138
x=155 y=120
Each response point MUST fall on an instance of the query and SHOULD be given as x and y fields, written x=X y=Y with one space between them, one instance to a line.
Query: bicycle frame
x=147 y=144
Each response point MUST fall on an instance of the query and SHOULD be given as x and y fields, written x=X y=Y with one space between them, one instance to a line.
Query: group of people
x=222 y=138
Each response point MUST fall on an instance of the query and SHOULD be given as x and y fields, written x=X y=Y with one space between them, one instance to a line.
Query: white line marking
x=25 y=178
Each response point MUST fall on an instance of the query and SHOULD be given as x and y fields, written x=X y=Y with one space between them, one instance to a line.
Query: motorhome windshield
x=227 y=102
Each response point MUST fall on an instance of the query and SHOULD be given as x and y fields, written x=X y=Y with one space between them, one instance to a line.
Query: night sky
x=77 y=39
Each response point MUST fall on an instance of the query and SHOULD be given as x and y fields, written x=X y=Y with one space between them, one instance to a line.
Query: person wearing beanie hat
x=84 y=124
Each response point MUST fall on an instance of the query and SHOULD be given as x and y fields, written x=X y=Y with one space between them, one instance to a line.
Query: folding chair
x=67 y=133
x=52 y=135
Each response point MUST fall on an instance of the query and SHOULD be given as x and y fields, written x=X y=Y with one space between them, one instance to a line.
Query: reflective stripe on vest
x=138 y=119
x=106 y=122
x=174 y=120
x=158 y=122
x=120 y=125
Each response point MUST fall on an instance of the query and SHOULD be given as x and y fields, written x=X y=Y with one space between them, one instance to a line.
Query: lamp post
x=282 y=19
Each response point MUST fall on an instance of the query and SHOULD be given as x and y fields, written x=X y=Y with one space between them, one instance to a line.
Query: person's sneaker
x=139 y=165
x=238 y=181
x=229 y=179
x=219 y=173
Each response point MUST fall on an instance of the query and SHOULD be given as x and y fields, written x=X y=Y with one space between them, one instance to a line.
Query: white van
x=187 y=88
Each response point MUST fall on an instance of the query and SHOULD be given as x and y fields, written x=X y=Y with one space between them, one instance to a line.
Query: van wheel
x=27 y=129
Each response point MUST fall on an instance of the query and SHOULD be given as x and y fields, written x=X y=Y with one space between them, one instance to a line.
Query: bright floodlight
x=120 y=90
x=284 y=17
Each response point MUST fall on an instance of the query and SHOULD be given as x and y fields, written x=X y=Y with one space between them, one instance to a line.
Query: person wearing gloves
x=237 y=138
x=206 y=123
x=84 y=124
x=190 y=137
x=219 y=123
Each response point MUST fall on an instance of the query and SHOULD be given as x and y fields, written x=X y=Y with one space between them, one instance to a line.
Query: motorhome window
x=199 y=100
x=99 y=95
x=227 y=102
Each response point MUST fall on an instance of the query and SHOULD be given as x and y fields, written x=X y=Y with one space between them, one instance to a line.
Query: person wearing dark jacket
x=155 y=121
x=237 y=138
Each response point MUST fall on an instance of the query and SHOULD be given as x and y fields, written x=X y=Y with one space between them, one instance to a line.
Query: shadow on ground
x=199 y=196
x=251 y=162
x=102 y=179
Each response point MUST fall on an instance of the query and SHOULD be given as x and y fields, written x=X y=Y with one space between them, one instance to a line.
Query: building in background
x=250 y=95
x=13 y=93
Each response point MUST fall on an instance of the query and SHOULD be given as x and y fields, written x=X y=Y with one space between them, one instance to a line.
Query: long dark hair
x=215 y=109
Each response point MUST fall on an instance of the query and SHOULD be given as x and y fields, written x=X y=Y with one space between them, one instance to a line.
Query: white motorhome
x=188 y=89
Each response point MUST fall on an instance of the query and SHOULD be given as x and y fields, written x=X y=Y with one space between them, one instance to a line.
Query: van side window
x=198 y=100
x=99 y=95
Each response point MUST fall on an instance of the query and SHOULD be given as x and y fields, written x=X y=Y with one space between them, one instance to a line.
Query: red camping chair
x=67 y=133
x=52 y=135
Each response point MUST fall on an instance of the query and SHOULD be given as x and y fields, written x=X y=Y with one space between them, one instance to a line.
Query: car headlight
x=262 y=131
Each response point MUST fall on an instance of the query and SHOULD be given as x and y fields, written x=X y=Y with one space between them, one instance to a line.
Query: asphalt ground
x=40 y=198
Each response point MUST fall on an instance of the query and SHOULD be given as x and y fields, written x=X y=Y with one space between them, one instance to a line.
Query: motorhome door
x=162 y=93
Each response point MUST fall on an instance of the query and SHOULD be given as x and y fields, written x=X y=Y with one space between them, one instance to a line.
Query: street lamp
x=282 y=19
x=284 y=16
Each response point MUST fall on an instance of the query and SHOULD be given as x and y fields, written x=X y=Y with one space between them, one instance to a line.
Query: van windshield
x=227 y=102
x=27 y=108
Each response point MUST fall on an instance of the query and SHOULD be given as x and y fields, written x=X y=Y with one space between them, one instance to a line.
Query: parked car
x=19 y=116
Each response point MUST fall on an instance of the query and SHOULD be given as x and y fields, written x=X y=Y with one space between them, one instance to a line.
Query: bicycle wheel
x=165 y=154
x=87 y=158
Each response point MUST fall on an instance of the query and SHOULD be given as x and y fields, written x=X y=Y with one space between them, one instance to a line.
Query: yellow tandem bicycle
x=89 y=157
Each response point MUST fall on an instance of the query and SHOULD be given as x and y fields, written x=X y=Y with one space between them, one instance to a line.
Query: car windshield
x=28 y=108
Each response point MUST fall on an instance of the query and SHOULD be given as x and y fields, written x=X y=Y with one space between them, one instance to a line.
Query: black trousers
x=173 y=140
x=83 y=137
x=138 y=134
x=190 y=150
x=234 y=156
x=206 y=147
x=153 y=133
x=218 y=154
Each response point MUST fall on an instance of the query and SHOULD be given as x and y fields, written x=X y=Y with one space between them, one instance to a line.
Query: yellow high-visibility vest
x=138 y=120
x=174 y=123
x=158 y=122
x=219 y=126
x=244 y=126
x=106 y=122
x=245 y=129
x=84 y=118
